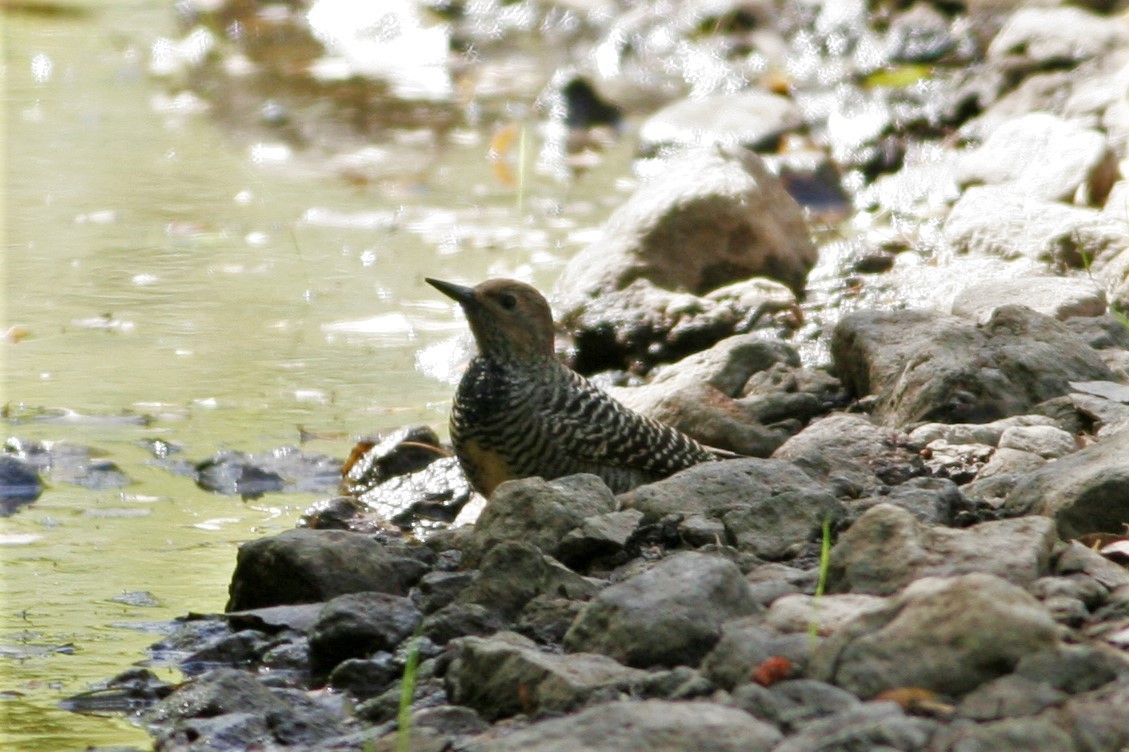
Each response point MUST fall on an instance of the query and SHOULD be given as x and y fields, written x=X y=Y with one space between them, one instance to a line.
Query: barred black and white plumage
x=519 y=412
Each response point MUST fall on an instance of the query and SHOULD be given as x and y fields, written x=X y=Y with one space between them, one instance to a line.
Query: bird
x=519 y=412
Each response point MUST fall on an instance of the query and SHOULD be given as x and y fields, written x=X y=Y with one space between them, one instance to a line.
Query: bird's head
x=509 y=319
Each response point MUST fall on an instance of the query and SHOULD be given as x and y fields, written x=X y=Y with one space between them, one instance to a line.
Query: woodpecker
x=520 y=412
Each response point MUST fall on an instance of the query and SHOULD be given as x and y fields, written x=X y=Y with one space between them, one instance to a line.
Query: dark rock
x=934 y=501
x=948 y=635
x=1085 y=492
x=241 y=649
x=365 y=677
x=923 y=366
x=19 y=484
x=768 y=507
x=286 y=469
x=887 y=548
x=422 y=500
x=436 y=589
x=647 y=726
x=602 y=536
x=402 y=452
x=669 y=615
x=539 y=512
x=310 y=566
x=870 y=726
x=342 y=513
x=546 y=619
x=459 y=620
x=851 y=454
x=507 y=674
x=131 y=691
x=229 y=709
x=357 y=625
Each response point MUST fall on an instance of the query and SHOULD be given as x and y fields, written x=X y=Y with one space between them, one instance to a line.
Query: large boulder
x=923 y=366
x=311 y=566
x=669 y=615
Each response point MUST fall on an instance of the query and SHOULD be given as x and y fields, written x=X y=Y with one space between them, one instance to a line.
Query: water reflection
x=171 y=281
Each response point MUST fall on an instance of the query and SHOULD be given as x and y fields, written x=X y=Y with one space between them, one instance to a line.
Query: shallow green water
x=159 y=270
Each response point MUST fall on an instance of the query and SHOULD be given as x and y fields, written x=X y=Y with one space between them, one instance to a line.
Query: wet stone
x=357 y=625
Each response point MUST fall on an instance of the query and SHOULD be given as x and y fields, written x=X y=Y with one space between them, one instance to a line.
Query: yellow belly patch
x=487 y=468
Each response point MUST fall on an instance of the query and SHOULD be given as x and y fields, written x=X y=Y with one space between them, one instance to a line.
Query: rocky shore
x=925 y=547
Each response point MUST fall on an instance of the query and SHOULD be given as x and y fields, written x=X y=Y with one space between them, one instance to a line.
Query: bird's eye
x=507 y=301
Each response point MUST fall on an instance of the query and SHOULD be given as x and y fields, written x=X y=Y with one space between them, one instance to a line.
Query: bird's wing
x=591 y=426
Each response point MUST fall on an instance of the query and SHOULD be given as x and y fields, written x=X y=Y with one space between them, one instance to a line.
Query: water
x=157 y=268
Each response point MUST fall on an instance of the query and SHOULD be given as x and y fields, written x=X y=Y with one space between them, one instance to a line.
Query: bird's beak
x=461 y=294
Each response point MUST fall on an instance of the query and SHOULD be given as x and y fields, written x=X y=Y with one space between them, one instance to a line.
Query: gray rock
x=1084 y=492
x=1097 y=719
x=945 y=634
x=723 y=203
x=1058 y=297
x=869 y=726
x=934 y=501
x=1079 y=559
x=745 y=644
x=752 y=119
x=1009 y=697
x=514 y=573
x=599 y=536
x=310 y=566
x=888 y=548
x=851 y=454
x=1055 y=36
x=792 y=705
x=768 y=507
x=539 y=512
x=669 y=615
x=697 y=394
x=357 y=625
x=1074 y=669
x=926 y=367
x=824 y=615
x=647 y=726
x=999 y=220
x=507 y=674
x=1048 y=442
x=974 y=433
x=1039 y=734
x=1046 y=157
